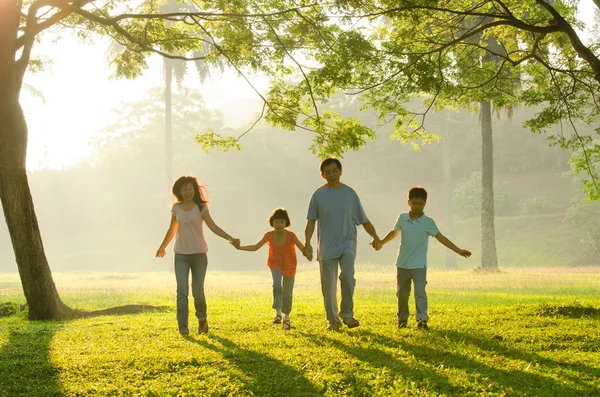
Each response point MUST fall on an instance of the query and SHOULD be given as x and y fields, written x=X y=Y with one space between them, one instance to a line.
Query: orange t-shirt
x=282 y=256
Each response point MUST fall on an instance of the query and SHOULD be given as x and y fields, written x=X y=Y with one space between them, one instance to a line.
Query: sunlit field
x=521 y=332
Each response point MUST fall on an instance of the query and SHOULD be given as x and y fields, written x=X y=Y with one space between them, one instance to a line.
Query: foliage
x=536 y=205
x=467 y=197
x=514 y=333
x=586 y=216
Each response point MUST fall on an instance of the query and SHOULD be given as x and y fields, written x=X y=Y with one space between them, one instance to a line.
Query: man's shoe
x=422 y=325
x=184 y=332
x=202 y=326
x=351 y=322
x=402 y=323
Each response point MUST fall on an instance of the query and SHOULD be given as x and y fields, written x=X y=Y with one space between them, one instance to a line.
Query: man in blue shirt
x=336 y=211
x=415 y=227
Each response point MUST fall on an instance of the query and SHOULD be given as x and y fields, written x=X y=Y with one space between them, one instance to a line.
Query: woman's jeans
x=283 y=289
x=197 y=263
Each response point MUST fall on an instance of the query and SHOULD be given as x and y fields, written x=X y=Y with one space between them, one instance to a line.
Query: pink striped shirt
x=190 y=235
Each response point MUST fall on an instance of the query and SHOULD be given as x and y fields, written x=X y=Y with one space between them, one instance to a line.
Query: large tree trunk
x=489 y=259
x=451 y=263
x=168 y=66
x=17 y=204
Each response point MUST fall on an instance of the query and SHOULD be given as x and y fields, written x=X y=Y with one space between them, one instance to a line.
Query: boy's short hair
x=417 y=192
x=280 y=213
x=330 y=160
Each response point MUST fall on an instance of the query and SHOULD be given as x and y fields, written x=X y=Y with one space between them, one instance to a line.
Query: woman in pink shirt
x=188 y=215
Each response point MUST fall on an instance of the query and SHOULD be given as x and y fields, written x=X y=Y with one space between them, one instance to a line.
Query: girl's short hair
x=280 y=213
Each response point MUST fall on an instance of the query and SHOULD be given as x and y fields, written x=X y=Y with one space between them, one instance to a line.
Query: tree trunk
x=489 y=259
x=17 y=204
x=451 y=263
x=168 y=66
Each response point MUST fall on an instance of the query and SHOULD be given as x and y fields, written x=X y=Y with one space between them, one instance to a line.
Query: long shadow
x=265 y=376
x=378 y=358
x=25 y=367
x=507 y=381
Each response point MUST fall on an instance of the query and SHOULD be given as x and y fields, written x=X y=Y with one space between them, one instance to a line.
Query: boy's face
x=417 y=205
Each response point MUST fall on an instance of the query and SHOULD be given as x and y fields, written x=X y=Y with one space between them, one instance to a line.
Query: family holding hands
x=334 y=211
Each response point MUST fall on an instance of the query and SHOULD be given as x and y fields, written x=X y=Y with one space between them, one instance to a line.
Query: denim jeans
x=197 y=263
x=419 y=278
x=283 y=289
x=329 y=275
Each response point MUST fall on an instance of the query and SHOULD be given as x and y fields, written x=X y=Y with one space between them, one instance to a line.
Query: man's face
x=417 y=205
x=331 y=173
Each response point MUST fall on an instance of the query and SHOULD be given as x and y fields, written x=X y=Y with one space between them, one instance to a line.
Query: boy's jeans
x=329 y=274
x=419 y=278
x=283 y=289
x=197 y=263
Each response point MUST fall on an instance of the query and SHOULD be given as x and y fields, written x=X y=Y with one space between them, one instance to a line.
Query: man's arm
x=308 y=232
x=369 y=228
x=442 y=239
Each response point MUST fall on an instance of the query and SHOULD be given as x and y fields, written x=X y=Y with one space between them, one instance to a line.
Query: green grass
x=522 y=332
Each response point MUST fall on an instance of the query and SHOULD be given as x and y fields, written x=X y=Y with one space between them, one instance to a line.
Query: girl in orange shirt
x=282 y=262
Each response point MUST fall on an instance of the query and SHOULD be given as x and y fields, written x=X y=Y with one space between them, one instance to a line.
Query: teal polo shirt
x=414 y=240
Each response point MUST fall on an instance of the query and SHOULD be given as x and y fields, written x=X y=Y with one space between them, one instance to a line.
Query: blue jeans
x=283 y=289
x=197 y=263
x=419 y=278
x=329 y=275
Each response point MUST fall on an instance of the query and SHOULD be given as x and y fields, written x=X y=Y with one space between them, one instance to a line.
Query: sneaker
x=402 y=323
x=422 y=325
x=184 y=332
x=202 y=326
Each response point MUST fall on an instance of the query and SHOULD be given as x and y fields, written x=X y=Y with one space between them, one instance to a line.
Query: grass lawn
x=522 y=332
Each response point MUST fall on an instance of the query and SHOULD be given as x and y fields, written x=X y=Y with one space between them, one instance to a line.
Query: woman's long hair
x=199 y=190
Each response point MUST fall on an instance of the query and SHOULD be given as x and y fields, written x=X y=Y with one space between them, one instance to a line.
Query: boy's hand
x=464 y=253
x=376 y=244
x=236 y=243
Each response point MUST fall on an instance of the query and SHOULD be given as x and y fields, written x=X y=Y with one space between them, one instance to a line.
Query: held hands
x=376 y=244
x=464 y=253
x=235 y=242
x=308 y=252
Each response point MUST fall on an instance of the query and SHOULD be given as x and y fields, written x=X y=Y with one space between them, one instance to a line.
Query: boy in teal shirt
x=415 y=228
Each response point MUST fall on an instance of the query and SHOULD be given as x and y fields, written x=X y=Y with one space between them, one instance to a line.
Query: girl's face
x=279 y=224
x=187 y=192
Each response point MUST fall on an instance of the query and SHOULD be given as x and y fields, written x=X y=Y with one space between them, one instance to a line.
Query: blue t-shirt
x=337 y=211
x=414 y=240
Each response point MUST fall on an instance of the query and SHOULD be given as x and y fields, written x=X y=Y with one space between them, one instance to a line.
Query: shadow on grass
x=570 y=311
x=491 y=379
x=268 y=376
x=25 y=366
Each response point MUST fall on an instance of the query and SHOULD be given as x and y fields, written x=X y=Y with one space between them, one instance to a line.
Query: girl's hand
x=235 y=242
x=161 y=253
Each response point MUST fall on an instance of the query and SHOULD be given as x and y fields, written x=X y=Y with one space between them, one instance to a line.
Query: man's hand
x=308 y=251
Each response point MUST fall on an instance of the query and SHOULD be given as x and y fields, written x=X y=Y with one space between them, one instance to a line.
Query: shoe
x=402 y=323
x=286 y=325
x=333 y=327
x=277 y=319
x=202 y=326
x=422 y=325
x=184 y=332
x=351 y=322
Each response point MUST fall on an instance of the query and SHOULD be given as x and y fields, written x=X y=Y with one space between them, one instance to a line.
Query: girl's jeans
x=283 y=289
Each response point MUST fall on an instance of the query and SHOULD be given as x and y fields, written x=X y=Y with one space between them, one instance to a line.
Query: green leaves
x=210 y=140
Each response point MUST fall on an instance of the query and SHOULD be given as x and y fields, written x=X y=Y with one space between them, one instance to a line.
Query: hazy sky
x=79 y=96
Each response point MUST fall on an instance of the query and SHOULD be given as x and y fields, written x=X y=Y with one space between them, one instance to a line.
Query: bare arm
x=168 y=237
x=392 y=234
x=215 y=228
x=369 y=228
x=308 y=232
x=298 y=244
x=254 y=247
x=449 y=244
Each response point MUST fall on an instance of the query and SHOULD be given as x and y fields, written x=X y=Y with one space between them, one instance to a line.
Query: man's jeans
x=329 y=274
x=419 y=278
x=197 y=263
x=283 y=289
